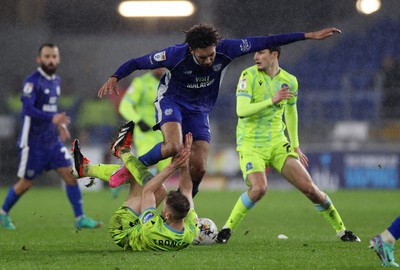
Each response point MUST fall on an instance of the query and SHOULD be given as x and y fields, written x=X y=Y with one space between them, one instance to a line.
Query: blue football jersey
x=191 y=85
x=39 y=104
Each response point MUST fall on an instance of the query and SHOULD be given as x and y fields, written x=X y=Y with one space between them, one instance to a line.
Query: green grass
x=45 y=237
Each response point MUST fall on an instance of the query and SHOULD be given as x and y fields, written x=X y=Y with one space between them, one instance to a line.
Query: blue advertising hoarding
x=332 y=170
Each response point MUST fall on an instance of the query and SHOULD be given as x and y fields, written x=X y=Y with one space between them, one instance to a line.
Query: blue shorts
x=33 y=160
x=191 y=121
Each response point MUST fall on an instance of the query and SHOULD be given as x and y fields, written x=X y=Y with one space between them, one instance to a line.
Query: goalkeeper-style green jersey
x=260 y=121
x=153 y=233
x=137 y=105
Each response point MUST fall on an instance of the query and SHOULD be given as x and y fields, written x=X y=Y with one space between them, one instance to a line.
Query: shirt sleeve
x=291 y=117
x=238 y=47
x=28 y=103
x=244 y=94
x=167 y=58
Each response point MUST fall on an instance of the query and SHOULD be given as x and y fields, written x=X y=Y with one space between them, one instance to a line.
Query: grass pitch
x=46 y=239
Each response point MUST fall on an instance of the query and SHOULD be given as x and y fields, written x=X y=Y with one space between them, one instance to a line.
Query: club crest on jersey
x=148 y=216
x=161 y=56
x=245 y=46
x=47 y=91
x=168 y=112
x=249 y=166
x=28 y=88
x=217 y=67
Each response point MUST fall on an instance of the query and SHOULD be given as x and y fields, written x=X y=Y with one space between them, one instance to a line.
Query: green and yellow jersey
x=138 y=105
x=260 y=121
x=153 y=233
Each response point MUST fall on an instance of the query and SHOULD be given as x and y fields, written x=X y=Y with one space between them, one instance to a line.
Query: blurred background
x=349 y=85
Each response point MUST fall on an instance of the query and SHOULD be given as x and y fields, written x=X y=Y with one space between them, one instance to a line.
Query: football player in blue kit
x=189 y=89
x=40 y=141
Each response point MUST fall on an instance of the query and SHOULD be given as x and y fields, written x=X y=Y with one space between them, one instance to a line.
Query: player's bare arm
x=322 y=34
x=109 y=88
x=281 y=95
x=185 y=181
x=148 y=197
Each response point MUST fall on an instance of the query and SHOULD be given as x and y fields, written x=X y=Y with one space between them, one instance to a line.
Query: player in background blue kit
x=383 y=243
x=189 y=89
x=40 y=142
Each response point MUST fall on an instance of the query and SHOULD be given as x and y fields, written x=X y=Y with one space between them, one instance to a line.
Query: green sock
x=329 y=212
x=239 y=211
x=102 y=171
x=141 y=173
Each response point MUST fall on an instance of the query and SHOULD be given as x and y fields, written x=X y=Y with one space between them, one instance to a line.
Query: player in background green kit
x=136 y=225
x=265 y=93
x=137 y=105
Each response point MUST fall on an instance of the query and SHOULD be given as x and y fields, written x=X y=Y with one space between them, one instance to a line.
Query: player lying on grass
x=136 y=225
x=383 y=243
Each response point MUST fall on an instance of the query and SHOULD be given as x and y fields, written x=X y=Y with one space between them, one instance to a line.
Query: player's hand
x=302 y=156
x=109 y=88
x=61 y=119
x=143 y=126
x=282 y=94
x=64 y=132
x=322 y=34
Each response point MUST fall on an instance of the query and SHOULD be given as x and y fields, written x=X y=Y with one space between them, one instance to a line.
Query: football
x=207 y=233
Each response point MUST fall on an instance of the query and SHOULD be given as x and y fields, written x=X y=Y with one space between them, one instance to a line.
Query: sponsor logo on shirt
x=161 y=56
x=188 y=72
x=148 y=216
x=28 y=88
x=49 y=108
x=245 y=46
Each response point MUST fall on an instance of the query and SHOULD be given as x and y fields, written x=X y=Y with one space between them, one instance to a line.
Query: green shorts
x=121 y=225
x=257 y=159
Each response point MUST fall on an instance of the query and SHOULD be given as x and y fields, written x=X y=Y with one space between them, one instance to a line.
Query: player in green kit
x=137 y=105
x=265 y=93
x=136 y=225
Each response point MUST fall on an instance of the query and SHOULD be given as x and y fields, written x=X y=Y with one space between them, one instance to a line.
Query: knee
x=314 y=194
x=172 y=148
x=197 y=171
x=257 y=192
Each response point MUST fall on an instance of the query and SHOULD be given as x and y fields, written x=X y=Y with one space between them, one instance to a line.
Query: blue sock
x=247 y=202
x=325 y=205
x=10 y=200
x=75 y=198
x=394 y=229
x=153 y=156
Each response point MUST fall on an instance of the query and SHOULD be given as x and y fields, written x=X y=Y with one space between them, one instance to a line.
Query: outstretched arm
x=148 y=197
x=322 y=34
x=185 y=181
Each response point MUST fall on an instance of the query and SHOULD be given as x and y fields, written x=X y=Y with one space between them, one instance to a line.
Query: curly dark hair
x=178 y=203
x=202 y=36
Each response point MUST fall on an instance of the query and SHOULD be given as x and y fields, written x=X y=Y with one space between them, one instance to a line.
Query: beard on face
x=49 y=69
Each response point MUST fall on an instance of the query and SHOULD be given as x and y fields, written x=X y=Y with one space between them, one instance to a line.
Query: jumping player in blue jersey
x=189 y=89
x=40 y=142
